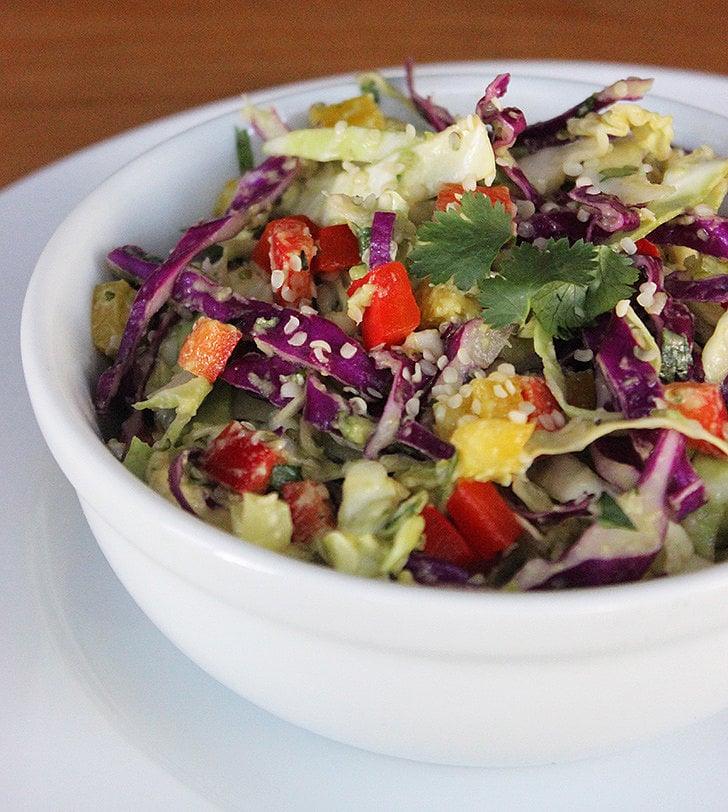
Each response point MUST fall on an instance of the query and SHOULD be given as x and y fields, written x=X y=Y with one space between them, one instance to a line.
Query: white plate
x=98 y=710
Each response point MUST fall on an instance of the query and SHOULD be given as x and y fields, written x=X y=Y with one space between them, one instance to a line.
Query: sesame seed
x=347 y=350
x=647 y=294
x=358 y=405
x=442 y=362
x=628 y=245
x=287 y=294
x=499 y=391
x=277 y=278
x=290 y=389
x=526 y=407
x=658 y=303
x=450 y=375
x=572 y=168
x=463 y=356
x=456 y=401
x=510 y=388
x=547 y=422
x=583 y=215
x=417 y=375
x=506 y=369
x=621 y=308
x=412 y=407
x=583 y=355
x=298 y=339
x=320 y=355
x=646 y=354
x=319 y=343
x=558 y=418
x=517 y=416
x=291 y=325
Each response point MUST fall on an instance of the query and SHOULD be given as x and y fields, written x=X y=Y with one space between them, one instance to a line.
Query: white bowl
x=443 y=676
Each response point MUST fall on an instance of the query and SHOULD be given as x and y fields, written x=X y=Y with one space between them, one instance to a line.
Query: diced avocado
x=262 y=519
x=109 y=311
x=708 y=525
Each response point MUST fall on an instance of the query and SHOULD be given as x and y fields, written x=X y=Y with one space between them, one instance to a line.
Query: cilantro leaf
x=565 y=286
x=610 y=514
x=461 y=243
x=615 y=277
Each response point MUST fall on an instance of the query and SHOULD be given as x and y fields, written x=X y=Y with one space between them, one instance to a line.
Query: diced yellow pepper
x=441 y=303
x=361 y=111
x=491 y=448
x=494 y=396
x=110 y=307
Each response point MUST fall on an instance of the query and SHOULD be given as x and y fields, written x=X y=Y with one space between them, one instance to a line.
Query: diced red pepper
x=703 y=402
x=484 y=518
x=451 y=193
x=443 y=540
x=240 y=460
x=312 y=512
x=338 y=249
x=286 y=249
x=546 y=412
x=647 y=248
x=392 y=314
x=207 y=348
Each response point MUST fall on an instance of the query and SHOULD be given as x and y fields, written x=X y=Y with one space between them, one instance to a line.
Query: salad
x=478 y=351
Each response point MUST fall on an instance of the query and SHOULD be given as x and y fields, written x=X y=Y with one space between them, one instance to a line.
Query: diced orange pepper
x=207 y=348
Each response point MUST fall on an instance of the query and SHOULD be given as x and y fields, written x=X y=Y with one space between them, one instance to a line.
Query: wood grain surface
x=72 y=74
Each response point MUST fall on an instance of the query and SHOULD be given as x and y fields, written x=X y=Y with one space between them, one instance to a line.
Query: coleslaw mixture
x=475 y=351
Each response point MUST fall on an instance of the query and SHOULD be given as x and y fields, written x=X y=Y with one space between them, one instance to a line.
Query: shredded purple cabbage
x=506 y=124
x=435 y=572
x=260 y=375
x=257 y=191
x=551 y=132
x=611 y=555
x=380 y=241
x=708 y=235
x=624 y=382
x=710 y=289
x=436 y=116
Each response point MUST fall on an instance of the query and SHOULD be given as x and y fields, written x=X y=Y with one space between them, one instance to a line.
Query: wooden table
x=72 y=74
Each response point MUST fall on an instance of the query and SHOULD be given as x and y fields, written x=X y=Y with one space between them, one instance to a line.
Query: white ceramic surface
x=271 y=570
